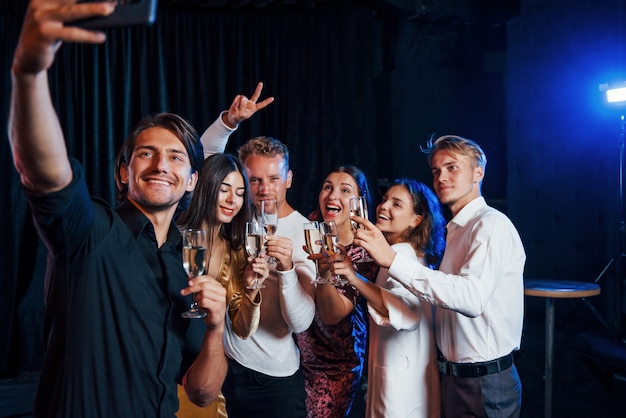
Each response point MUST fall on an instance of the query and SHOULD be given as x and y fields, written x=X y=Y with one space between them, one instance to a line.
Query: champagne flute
x=254 y=245
x=269 y=218
x=312 y=236
x=194 y=263
x=358 y=207
x=330 y=239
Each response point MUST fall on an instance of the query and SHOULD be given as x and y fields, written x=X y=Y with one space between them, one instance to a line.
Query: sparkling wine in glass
x=194 y=263
x=358 y=207
x=312 y=240
x=269 y=218
x=254 y=245
x=330 y=238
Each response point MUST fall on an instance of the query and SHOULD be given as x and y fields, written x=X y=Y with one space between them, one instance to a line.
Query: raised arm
x=36 y=137
x=215 y=137
x=389 y=303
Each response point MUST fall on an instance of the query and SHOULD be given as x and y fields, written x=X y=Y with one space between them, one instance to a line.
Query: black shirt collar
x=138 y=223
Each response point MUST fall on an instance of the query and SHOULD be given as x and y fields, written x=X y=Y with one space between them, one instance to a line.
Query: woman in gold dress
x=220 y=206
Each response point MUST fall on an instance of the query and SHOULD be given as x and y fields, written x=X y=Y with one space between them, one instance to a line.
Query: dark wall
x=563 y=152
x=447 y=78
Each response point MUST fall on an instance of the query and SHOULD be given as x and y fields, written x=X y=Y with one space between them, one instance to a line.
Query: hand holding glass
x=194 y=263
x=358 y=207
x=254 y=244
x=269 y=218
x=312 y=239
x=330 y=239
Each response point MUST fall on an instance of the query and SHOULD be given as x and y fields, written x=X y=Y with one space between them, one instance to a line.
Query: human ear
x=191 y=183
x=123 y=174
x=417 y=220
x=479 y=174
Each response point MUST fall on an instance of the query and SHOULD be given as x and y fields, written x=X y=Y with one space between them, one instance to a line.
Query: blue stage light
x=616 y=95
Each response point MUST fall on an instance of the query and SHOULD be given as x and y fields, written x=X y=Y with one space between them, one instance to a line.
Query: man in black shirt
x=116 y=343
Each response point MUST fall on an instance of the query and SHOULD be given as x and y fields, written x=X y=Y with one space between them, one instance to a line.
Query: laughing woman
x=333 y=348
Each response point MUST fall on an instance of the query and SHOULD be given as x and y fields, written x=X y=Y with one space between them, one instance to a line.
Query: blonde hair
x=459 y=146
x=265 y=146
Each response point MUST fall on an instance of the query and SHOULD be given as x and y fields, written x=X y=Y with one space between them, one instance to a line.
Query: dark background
x=367 y=83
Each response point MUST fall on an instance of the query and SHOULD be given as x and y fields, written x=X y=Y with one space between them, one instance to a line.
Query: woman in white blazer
x=403 y=380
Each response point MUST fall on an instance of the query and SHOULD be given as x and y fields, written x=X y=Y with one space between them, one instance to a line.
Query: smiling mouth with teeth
x=163 y=182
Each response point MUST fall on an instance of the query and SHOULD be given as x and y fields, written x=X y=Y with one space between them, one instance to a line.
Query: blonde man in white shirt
x=478 y=291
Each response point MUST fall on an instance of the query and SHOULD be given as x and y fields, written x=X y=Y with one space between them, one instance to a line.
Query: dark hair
x=173 y=123
x=429 y=236
x=201 y=211
x=265 y=146
x=361 y=182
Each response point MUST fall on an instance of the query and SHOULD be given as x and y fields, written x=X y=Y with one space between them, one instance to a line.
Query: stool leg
x=549 y=356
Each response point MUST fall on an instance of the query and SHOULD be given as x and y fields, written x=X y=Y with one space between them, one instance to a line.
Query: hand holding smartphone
x=127 y=13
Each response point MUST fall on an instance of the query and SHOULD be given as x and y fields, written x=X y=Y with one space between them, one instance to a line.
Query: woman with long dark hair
x=333 y=348
x=220 y=205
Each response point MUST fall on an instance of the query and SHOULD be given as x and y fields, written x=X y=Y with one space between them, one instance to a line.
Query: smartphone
x=127 y=13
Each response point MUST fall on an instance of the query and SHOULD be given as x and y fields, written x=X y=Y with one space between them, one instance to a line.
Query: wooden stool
x=551 y=289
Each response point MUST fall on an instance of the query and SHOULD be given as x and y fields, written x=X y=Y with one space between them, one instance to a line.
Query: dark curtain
x=317 y=62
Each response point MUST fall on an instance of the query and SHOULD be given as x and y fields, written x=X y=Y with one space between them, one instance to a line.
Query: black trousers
x=250 y=394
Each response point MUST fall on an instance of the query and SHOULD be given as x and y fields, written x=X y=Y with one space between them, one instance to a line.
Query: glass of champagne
x=269 y=218
x=312 y=239
x=330 y=239
x=254 y=245
x=194 y=263
x=358 y=207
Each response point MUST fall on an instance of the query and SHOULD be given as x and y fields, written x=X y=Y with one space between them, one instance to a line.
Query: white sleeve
x=493 y=245
x=403 y=307
x=297 y=305
x=215 y=138
x=447 y=291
